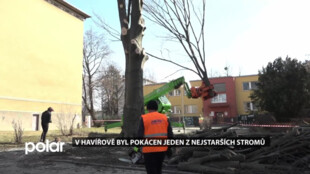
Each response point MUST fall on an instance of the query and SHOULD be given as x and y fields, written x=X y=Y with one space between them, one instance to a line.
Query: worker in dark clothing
x=45 y=120
x=154 y=125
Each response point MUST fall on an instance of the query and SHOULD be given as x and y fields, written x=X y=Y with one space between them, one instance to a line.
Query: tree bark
x=135 y=56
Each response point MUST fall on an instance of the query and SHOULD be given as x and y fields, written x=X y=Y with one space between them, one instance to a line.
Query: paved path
x=73 y=161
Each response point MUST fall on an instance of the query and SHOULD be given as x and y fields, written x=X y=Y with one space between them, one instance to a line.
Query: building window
x=219 y=98
x=175 y=92
x=185 y=92
x=220 y=87
x=249 y=85
x=176 y=109
x=249 y=106
x=190 y=109
x=171 y=93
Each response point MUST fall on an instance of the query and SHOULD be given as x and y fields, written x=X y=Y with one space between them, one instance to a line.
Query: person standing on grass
x=45 y=120
x=154 y=125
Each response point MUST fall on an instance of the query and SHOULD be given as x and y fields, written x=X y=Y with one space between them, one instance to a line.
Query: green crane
x=164 y=105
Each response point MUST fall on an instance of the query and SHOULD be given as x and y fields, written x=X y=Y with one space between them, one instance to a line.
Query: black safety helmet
x=152 y=105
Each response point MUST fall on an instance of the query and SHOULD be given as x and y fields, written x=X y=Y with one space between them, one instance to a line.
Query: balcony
x=218 y=105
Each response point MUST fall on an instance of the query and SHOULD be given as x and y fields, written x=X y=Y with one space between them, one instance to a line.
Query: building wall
x=182 y=100
x=221 y=112
x=243 y=96
x=151 y=87
x=236 y=97
x=41 y=61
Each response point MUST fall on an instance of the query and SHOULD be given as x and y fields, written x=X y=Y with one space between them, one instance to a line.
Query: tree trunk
x=91 y=100
x=135 y=56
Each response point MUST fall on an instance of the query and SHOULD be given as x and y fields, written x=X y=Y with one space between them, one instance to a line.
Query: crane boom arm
x=174 y=84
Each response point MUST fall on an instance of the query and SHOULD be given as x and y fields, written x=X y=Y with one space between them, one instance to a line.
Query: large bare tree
x=132 y=28
x=185 y=24
x=184 y=20
x=94 y=51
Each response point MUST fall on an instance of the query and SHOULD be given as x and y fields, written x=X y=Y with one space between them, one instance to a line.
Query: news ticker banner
x=99 y=141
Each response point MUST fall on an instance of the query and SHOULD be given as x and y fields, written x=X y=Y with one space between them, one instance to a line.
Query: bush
x=18 y=131
x=65 y=121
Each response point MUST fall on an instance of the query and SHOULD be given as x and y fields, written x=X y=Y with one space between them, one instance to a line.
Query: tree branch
x=162 y=59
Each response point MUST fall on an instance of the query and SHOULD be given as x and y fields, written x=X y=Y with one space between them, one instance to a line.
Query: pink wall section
x=228 y=109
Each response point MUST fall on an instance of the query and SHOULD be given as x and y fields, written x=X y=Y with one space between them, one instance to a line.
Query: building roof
x=154 y=84
x=69 y=8
x=147 y=81
x=247 y=75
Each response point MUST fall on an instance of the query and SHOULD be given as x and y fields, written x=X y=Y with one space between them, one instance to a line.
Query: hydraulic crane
x=203 y=91
x=164 y=105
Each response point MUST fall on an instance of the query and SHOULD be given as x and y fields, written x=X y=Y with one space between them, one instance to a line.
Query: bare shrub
x=18 y=131
x=66 y=120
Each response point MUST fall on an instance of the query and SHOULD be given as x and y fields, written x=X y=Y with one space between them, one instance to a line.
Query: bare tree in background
x=186 y=24
x=148 y=74
x=112 y=91
x=94 y=51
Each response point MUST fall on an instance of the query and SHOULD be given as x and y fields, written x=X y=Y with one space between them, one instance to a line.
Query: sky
x=243 y=35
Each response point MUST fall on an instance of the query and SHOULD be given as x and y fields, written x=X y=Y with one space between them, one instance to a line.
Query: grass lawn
x=7 y=137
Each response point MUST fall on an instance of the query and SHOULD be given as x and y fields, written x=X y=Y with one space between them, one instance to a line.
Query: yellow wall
x=40 y=59
x=242 y=96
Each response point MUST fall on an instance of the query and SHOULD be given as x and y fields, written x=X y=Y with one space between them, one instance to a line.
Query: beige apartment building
x=41 y=55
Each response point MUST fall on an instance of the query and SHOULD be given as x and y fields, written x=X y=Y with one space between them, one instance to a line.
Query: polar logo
x=47 y=147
